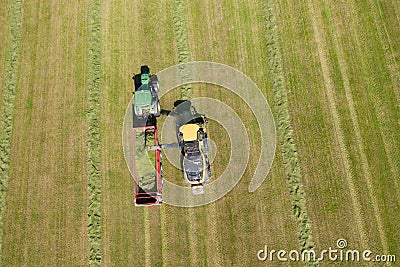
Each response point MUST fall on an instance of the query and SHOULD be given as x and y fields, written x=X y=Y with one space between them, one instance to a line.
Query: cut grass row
x=182 y=45
x=285 y=132
x=7 y=115
x=5 y=33
x=93 y=141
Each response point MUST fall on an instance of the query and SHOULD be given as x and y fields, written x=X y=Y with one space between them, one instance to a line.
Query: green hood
x=143 y=98
x=145 y=77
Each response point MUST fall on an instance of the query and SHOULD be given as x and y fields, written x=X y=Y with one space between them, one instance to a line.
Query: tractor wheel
x=155 y=86
x=157 y=111
x=137 y=81
x=206 y=146
x=151 y=121
x=200 y=134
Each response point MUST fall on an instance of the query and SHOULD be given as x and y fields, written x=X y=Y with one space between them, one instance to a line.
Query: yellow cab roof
x=189 y=132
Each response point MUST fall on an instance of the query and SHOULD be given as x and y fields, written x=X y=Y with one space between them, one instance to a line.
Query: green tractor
x=146 y=101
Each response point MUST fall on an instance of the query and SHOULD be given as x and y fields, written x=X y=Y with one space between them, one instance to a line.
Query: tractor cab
x=146 y=101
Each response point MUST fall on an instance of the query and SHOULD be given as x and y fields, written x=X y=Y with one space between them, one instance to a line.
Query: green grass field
x=329 y=69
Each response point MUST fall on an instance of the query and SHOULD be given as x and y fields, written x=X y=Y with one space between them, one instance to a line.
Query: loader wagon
x=147 y=164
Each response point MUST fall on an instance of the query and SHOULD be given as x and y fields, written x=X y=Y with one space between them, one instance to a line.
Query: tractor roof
x=143 y=97
x=189 y=132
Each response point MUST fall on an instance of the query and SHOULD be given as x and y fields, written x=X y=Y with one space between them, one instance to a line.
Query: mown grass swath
x=8 y=106
x=285 y=131
x=93 y=139
x=182 y=45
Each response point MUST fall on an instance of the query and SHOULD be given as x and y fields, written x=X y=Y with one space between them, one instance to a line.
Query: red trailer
x=147 y=166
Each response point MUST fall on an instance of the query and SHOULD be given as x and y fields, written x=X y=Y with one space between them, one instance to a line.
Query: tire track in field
x=290 y=156
x=146 y=221
x=7 y=117
x=215 y=259
x=106 y=200
x=164 y=235
x=357 y=131
x=147 y=236
x=93 y=140
x=329 y=88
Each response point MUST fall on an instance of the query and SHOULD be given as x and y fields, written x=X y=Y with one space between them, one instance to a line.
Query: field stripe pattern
x=388 y=46
x=93 y=141
x=338 y=127
x=45 y=223
x=7 y=116
x=393 y=66
x=374 y=36
x=285 y=132
x=337 y=44
x=358 y=138
x=333 y=68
